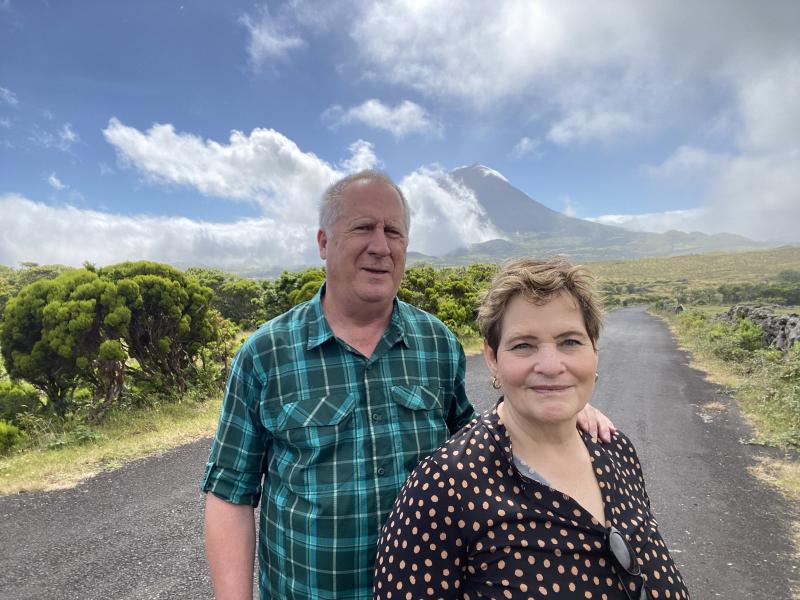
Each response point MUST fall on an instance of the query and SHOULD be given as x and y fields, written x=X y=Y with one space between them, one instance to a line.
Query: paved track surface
x=136 y=533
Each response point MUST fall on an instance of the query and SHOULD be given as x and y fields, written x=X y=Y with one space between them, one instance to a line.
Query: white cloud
x=757 y=196
x=37 y=232
x=687 y=161
x=362 y=157
x=8 y=97
x=584 y=126
x=264 y=167
x=401 y=120
x=569 y=207
x=67 y=135
x=526 y=146
x=268 y=168
x=62 y=139
x=55 y=182
x=268 y=41
x=752 y=190
x=595 y=71
x=445 y=215
x=693 y=219
x=5 y=123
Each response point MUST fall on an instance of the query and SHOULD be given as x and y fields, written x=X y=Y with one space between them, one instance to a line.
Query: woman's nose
x=548 y=359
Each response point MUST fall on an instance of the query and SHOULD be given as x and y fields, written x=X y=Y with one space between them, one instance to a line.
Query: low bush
x=16 y=399
x=10 y=436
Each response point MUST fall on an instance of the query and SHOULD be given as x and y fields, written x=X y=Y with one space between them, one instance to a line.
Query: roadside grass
x=123 y=436
x=767 y=398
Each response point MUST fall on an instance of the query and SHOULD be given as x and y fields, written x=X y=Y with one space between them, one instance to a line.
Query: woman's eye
x=521 y=346
x=572 y=343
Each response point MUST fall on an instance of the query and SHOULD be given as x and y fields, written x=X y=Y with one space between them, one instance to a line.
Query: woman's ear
x=490 y=357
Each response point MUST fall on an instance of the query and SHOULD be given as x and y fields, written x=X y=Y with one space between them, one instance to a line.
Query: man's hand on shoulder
x=595 y=423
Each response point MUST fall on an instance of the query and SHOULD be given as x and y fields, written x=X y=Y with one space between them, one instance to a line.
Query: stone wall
x=780 y=331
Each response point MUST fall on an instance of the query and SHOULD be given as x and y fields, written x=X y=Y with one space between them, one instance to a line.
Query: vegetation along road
x=137 y=532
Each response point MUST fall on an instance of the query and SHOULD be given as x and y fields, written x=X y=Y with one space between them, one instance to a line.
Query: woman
x=519 y=503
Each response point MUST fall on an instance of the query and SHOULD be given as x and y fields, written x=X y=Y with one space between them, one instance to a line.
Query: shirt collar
x=492 y=422
x=319 y=331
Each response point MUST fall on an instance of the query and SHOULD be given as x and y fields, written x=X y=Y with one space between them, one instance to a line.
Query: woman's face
x=545 y=360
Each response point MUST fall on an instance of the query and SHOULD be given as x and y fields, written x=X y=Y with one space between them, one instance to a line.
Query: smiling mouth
x=376 y=271
x=550 y=388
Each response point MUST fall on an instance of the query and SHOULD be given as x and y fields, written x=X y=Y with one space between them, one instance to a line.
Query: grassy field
x=702 y=269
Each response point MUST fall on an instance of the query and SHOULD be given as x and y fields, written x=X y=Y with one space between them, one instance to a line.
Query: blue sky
x=203 y=132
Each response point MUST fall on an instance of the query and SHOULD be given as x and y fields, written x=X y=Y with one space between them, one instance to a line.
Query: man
x=329 y=407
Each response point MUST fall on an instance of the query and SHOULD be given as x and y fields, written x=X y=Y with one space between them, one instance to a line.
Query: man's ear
x=490 y=357
x=322 y=242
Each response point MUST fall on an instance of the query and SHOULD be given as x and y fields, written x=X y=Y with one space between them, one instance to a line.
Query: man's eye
x=571 y=343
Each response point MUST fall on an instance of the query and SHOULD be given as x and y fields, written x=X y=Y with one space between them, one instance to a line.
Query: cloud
x=61 y=139
x=67 y=135
x=37 y=232
x=595 y=71
x=569 y=207
x=8 y=97
x=445 y=215
x=693 y=219
x=751 y=190
x=687 y=161
x=526 y=146
x=757 y=196
x=401 y=120
x=264 y=167
x=584 y=126
x=362 y=157
x=5 y=123
x=269 y=169
x=268 y=42
x=55 y=182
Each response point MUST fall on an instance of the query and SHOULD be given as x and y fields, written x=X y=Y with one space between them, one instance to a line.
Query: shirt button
x=376 y=417
x=381 y=471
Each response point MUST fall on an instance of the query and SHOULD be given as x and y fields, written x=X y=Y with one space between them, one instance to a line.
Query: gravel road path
x=136 y=533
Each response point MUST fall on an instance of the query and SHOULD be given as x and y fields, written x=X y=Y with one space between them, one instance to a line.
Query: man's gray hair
x=330 y=207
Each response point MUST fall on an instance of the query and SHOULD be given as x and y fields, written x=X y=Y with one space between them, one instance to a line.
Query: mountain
x=530 y=228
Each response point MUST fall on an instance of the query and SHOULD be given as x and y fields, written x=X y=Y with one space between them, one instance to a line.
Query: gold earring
x=496 y=383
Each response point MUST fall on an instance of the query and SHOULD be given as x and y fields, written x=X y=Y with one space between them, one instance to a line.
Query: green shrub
x=16 y=399
x=736 y=341
x=10 y=436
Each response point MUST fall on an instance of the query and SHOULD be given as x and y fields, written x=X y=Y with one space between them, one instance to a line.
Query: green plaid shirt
x=331 y=436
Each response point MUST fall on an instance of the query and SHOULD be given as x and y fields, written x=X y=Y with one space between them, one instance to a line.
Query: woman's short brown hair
x=538 y=281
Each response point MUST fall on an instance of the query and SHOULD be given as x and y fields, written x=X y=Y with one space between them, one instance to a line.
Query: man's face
x=365 y=251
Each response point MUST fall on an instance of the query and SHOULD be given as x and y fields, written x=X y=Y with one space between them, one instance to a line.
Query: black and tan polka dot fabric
x=468 y=525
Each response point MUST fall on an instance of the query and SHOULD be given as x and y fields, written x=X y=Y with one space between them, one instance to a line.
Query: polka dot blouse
x=468 y=525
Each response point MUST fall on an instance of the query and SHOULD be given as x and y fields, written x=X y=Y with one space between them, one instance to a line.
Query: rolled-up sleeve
x=235 y=466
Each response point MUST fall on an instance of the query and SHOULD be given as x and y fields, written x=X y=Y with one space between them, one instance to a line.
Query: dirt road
x=136 y=533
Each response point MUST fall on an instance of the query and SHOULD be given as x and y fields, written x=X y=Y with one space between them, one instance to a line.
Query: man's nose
x=378 y=243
